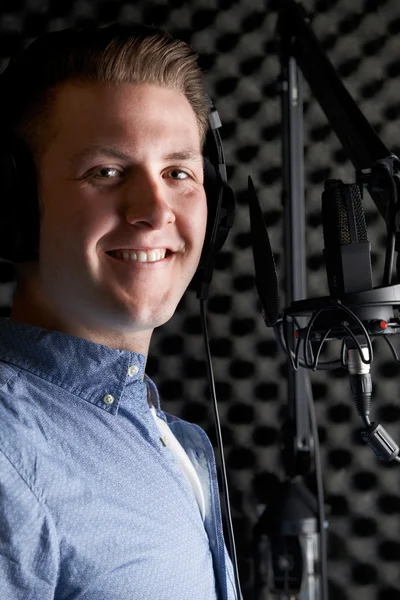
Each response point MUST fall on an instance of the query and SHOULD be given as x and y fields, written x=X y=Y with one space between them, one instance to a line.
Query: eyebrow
x=185 y=154
x=112 y=152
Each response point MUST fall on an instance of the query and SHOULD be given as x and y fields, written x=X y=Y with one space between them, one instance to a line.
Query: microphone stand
x=290 y=556
x=294 y=243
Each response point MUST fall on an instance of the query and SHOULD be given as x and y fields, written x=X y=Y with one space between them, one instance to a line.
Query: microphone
x=355 y=313
x=347 y=249
x=347 y=256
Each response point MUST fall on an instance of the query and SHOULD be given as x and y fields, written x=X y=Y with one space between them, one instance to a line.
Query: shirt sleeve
x=29 y=553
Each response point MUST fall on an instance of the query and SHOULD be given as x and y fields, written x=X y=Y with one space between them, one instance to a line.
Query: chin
x=139 y=310
x=159 y=319
x=139 y=320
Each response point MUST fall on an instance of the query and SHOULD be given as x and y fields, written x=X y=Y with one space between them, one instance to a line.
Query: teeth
x=141 y=255
x=152 y=256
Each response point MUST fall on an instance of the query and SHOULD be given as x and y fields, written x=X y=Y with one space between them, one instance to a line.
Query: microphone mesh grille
x=350 y=217
x=342 y=218
x=359 y=215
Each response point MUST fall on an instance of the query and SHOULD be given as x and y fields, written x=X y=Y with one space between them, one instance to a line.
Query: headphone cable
x=224 y=481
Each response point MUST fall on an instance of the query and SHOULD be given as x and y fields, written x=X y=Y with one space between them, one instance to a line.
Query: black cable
x=307 y=343
x=390 y=247
x=224 y=481
x=358 y=345
x=315 y=364
x=392 y=348
x=389 y=260
x=322 y=366
x=311 y=362
x=297 y=354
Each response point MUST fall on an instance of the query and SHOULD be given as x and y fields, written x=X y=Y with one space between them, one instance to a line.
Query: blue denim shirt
x=93 y=506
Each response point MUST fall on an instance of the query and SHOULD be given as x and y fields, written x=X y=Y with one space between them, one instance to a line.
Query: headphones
x=19 y=224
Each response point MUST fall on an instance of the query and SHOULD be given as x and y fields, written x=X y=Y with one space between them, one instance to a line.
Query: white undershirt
x=188 y=469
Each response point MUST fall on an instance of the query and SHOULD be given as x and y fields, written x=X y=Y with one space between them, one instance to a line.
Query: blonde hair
x=114 y=54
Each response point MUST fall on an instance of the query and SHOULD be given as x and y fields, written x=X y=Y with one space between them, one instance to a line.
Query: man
x=103 y=496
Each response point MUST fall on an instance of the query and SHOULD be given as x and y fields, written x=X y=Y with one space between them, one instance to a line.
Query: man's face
x=123 y=207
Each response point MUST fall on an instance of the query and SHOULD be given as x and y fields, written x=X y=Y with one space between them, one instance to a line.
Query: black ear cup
x=221 y=208
x=220 y=204
x=19 y=222
x=222 y=200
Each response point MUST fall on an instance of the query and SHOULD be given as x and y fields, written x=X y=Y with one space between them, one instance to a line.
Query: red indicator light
x=296 y=333
x=383 y=324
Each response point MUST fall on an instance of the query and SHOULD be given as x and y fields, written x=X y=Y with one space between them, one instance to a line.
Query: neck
x=30 y=306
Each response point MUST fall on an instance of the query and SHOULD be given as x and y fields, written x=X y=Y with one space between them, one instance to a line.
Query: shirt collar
x=94 y=372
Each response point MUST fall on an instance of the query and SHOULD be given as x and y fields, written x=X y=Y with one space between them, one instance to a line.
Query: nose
x=148 y=203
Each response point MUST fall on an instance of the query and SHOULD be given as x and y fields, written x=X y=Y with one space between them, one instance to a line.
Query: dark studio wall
x=235 y=40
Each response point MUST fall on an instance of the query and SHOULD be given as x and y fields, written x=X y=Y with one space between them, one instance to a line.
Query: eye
x=178 y=174
x=106 y=173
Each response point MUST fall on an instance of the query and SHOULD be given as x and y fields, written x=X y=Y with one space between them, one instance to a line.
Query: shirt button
x=108 y=399
x=133 y=370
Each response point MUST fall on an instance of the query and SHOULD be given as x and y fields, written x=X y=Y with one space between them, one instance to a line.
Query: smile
x=142 y=256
